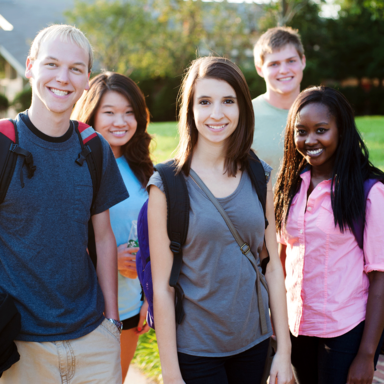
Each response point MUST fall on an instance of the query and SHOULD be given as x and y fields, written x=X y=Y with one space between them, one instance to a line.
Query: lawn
x=166 y=139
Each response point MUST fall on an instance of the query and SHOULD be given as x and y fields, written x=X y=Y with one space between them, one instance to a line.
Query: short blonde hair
x=274 y=40
x=64 y=33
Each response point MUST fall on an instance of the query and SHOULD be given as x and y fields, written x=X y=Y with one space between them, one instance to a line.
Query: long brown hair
x=239 y=143
x=136 y=151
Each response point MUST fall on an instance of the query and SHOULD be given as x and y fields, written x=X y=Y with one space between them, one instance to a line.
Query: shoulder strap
x=244 y=247
x=92 y=153
x=8 y=139
x=259 y=181
x=178 y=205
x=359 y=224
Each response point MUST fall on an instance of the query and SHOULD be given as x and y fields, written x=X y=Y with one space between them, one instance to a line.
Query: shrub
x=4 y=103
x=22 y=100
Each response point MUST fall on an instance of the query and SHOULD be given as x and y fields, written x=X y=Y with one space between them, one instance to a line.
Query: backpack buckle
x=246 y=250
x=175 y=247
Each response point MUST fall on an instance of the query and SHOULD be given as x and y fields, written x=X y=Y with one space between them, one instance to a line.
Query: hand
x=126 y=262
x=281 y=370
x=361 y=370
x=143 y=326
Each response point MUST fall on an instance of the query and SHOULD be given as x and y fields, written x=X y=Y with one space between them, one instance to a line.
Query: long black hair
x=351 y=168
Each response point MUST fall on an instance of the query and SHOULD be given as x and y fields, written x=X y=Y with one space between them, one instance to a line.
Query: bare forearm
x=278 y=305
x=164 y=309
x=374 y=320
x=107 y=274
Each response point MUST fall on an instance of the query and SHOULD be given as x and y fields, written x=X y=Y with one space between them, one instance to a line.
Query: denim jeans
x=244 y=368
x=318 y=360
x=93 y=358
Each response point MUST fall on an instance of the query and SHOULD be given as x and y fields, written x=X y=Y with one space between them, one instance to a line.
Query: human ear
x=86 y=88
x=259 y=70
x=28 y=68
x=303 y=62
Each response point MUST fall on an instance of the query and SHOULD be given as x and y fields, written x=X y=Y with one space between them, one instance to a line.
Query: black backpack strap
x=178 y=205
x=9 y=151
x=259 y=181
x=92 y=153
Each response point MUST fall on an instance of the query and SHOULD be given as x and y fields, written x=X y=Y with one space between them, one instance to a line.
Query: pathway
x=379 y=374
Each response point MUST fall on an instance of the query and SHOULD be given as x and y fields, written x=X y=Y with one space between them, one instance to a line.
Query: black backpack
x=91 y=152
x=177 y=197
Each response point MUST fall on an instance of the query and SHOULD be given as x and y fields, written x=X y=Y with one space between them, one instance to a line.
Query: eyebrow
x=210 y=97
x=112 y=106
x=55 y=59
x=302 y=125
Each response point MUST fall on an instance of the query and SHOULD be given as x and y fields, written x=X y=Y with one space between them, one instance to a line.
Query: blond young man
x=280 y=60
x=64 y=303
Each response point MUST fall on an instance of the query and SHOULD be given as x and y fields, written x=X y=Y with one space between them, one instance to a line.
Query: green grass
x=166 y=138
x=372 y=129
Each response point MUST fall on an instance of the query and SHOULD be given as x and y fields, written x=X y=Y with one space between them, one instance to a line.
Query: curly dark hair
x=351 y=168
x=137 y=150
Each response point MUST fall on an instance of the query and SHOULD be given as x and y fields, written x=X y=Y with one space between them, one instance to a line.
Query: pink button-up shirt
x=327 y=283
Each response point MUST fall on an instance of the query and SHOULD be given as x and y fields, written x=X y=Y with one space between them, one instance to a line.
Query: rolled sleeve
x=373 y=232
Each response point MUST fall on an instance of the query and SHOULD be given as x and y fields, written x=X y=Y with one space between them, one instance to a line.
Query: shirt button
x=301 y=231
x=309 y=208
x=319 y=188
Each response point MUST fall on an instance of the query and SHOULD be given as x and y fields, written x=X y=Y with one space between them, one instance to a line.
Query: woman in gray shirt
x=219 y=340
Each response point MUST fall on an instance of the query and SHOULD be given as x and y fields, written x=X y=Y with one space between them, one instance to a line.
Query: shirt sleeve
x=267 y=169
x=112 y=188
x=373 y=231
x=157 y=181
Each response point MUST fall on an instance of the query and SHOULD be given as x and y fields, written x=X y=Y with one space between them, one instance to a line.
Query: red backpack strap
x=8 y=129
x=8 y=138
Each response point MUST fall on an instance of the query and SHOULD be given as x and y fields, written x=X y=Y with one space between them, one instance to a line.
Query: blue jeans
x=318 y=360
x=244 y=368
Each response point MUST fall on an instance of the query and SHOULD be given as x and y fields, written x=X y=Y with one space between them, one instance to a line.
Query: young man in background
x=280 y=60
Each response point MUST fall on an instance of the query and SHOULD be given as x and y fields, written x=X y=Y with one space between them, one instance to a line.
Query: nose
x=217 y=111
x=62 y=76
x=284 y=67
x=119 y=120
x=311 y=139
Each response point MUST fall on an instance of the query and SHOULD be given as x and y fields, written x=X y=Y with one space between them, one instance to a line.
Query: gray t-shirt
x=268 y=139
x=44 y=263
x=220 y=303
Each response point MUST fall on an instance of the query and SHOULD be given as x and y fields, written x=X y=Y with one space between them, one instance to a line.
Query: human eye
x=300 y=132
x=229 y=101
x=129 y=112
x=321 y=130
x=52 y=65
x=292 y=61
x=204 y=102
x=78 y=70
x=108 y=112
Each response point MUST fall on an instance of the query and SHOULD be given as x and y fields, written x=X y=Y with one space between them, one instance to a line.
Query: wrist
x=117 y=323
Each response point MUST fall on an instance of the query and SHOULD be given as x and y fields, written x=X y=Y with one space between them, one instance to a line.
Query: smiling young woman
x=220 y=339
x=335 y=285
x=115 y=107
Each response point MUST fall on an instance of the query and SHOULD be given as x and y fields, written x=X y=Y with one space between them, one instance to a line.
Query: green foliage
x=4 y=103
x=147 y=356
x=166 y=139
x=22 y=100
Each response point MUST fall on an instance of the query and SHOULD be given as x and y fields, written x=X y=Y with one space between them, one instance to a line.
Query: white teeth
x=216 y=126
x=315 y=152
x=118 y=132
x=286 y=79
x=58 y=92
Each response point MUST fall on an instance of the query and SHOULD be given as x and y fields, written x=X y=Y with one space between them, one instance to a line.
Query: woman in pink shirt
x=335 y=288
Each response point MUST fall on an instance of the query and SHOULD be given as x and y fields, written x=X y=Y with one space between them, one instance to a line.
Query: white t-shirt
x=268 y=139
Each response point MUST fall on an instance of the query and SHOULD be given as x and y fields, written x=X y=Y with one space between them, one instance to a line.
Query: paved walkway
x=379 y=374
x=136 y=377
